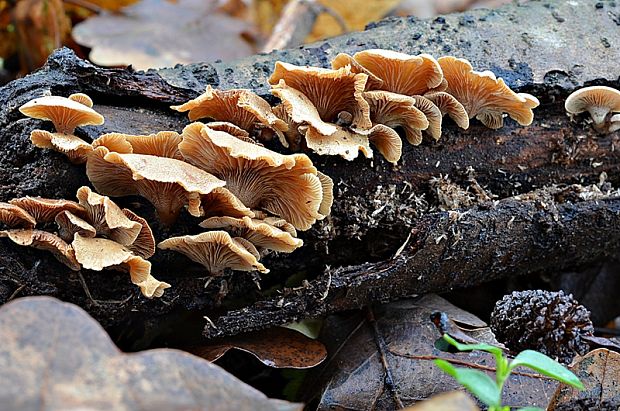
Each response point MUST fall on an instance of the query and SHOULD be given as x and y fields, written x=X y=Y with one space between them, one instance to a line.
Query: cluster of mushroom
x=602 y=103
x=256 y=197
x=93 y=234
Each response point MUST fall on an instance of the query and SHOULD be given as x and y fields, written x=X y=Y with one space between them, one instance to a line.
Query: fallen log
x=378 y=206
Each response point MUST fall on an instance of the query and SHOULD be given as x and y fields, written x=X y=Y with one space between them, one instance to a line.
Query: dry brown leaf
x=398 y=346
x=449 y=401
x=156 y=34
x=599 y=371
x=57 y=358
x=277 y=348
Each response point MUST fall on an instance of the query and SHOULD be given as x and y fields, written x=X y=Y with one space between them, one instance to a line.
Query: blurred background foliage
x=160 y=33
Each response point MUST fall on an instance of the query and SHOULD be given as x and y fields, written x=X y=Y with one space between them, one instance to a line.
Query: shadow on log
x=348 y=259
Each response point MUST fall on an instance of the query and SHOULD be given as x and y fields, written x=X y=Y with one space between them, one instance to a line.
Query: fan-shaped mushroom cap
x=215 y=250
x=99 y=253
x=259 y=232
x=144 y=246
x=344 y=142
x=82 y=99
x=343 y=60
x=162 y=144
x=484 y=96
x=167 y=183
x=614 y=123
x=599 y=101
x=107 y=218
x=231 y=129
x=402 y=73
x=447 y=104
x=221 y=202
x=397 y=110
x=66 y=114
x=44 y=210
x=328 y=195
x=330 y=91
x=285 y=185
x=387 y=142
x=433 y=115
x=76 y=149
x=14 y=216
x=43 y=240
x=69 y=224
x=238 y=106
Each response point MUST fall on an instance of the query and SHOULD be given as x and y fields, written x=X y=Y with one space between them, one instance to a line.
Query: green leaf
x=546 y=366
x=472 y=347
x=477 y=382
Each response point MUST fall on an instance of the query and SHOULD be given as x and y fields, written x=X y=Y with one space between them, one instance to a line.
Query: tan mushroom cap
x=599 y=101
x=433 y=115
x=345 y=142
x=44 y=210
x=221 y=202
x=241 y=107
x=259 y=232
x=231 y=129
x=43 y=240
x=69 y=224
x=449 y=105
x=169 y=184
x=14 y=216
x=330 y=91
x=402 y=73
x=144 y=245
x=614 y=124
x=99 y=253
x=397 y=110
x=216 y=251
x=285 y=185
x=76 y=149
x=484 y=96
x=65 y=113
x=107 y=218
x=328 y=195
x=82 y=99
x=162 y=144
x=387 y=142
x=343 y=60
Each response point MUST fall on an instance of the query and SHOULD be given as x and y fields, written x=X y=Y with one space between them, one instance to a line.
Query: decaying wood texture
x=380 y=210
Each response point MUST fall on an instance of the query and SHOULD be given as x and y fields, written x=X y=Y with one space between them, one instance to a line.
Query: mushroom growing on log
x=378 y=211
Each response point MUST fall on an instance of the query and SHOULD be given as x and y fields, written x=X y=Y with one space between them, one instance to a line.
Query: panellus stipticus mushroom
x=14 y=216
x=66 y=114
x=43 y=240
x=44 y=210
x=601 y=102
x=484 y=96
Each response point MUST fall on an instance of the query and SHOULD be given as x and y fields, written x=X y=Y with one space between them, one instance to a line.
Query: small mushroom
x=330 y=91
x=402 y=73
x=284 y=185
x=69 y=224
x=387 y=142
x=238 y=106
x=107 y=218
x=216 y=251
x=43 y=240
x=433 y=115
x=14 y=216
x=484 y=96
x=259 y=232
x=599 y=101
x=99 y=253
x=167 y=183
x=343 y=60
x=44 y=210
x=614 y=123
x=397 y=110
x=76 y=149
x=82 y=99
x=144 y=245
x=328 y=196
x=447 y=104
x=65 y=113
x=162 y=144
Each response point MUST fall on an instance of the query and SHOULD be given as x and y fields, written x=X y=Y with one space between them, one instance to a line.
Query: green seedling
x=489 y=391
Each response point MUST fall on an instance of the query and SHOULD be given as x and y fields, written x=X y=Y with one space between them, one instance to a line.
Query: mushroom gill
x=43 y=240
x=14 y=216
x=484 y=96
x=76 y=149
x=44 y=210
x=284 y=185
x=216 y=251
x=599 y=101
x=162 y=144
x=447 y=104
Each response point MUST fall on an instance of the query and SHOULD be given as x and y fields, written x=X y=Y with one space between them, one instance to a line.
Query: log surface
x=547 y=49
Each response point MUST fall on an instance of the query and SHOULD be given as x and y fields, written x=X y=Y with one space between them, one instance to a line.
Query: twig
x=21 y=287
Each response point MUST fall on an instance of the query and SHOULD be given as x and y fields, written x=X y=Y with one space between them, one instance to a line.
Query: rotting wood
x=378 y=207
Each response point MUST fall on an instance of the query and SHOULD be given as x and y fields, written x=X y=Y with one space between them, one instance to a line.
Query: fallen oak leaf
x=276 y=348
x=59 y=358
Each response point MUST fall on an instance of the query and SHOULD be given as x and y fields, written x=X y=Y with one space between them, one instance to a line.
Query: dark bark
x=377 y=205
